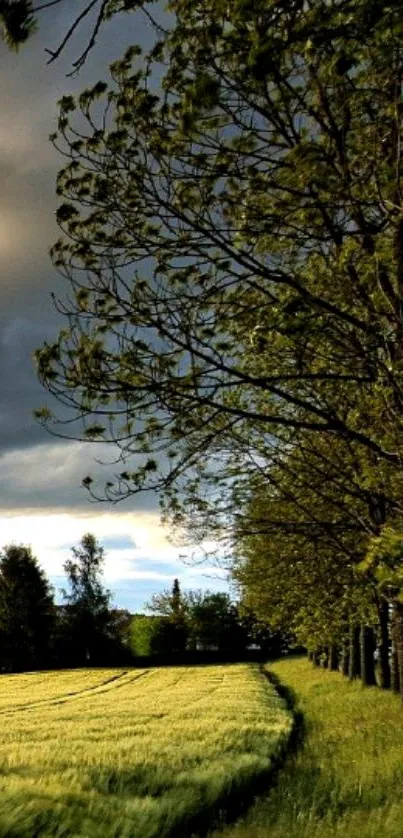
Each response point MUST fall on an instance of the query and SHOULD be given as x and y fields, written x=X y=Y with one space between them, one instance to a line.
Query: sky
x=42 y=502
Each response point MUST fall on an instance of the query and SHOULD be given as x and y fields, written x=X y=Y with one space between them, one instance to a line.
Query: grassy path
x=346 y=779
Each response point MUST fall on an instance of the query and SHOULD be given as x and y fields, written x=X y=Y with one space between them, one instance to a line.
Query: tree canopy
x=198 y=621
x=231 y=218
x=27 y=614
x=89 y=622
x=231 y=282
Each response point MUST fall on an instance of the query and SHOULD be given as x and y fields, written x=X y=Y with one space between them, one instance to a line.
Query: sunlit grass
x=346 y=779
x=131 y=752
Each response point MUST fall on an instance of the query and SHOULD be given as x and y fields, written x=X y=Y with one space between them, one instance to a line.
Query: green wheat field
x=131 y=752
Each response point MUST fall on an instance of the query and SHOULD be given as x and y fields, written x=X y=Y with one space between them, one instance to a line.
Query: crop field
x=131 y=753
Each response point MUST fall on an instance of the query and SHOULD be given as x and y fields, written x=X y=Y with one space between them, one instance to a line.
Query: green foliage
x=231 y=235
x=141 y=631
x=88 y=625
x=308 y=525
x=27 y=613
x=273 y=642
x=170 y=633
x=214 y=622
x=196 y=620
x=384 y=558
x=254 y=253
x=153 y=635
x=19 y=20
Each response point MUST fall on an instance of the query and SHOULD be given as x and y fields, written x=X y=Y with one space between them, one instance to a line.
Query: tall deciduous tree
x=27 y=612
x=89 y=623
x=384 y=558
x=230 y=277
x=234 y=285
x=298 y=543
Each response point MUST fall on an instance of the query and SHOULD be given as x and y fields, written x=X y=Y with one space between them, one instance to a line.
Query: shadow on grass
x=299 y=728
x=240 y=797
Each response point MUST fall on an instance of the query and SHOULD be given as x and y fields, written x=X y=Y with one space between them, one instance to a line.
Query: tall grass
x=346 y=777
x=131 y=754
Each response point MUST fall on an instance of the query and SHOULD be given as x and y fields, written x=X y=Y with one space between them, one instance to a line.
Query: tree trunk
x=367 y=648
x=345 y=658
x=310 y=656
x=354 y=666
x=316 y=657
x=394 y=669
x=324 y=657
x=333 y=659
x=398 y=609
x=383 y=645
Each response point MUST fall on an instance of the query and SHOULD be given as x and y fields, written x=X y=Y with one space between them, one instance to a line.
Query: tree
x=272 y=643
x=235 y=289
x=231 y=281
x=17 y=22
x=89 y=624
x=154 y=635
x=298 y=546
x=214 y=622
x=172 y=629
x=27 y=613
x=384 y=557
x=169 y=603
x=197 y=620
x=142 y=631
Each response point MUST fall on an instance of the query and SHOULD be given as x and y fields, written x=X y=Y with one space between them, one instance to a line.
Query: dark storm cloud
x=37 y=470
x=42 y=502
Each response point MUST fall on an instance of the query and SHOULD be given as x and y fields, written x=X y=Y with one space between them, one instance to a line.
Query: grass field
x=346 y=778
x=131 y=753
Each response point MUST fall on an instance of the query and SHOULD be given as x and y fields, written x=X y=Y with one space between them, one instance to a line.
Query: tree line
x=36 y=633
x=86 y=630
x=203 y=621
x=231 y=218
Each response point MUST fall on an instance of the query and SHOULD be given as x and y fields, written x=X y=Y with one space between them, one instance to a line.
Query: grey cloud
x=39 y=472
x=20 y=389
x=48 y=478
x=118 y=542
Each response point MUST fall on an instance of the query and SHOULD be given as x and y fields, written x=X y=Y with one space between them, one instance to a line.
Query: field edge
x=232 y=805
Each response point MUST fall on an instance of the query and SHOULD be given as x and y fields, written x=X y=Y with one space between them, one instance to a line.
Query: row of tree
x=202 y=621
x=36 y=633
x=232 y=237
x=320 y=569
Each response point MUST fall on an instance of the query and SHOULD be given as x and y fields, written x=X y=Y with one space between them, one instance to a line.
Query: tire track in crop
x=65 y=697
x=97 y=688
x=183 y=676
x=217 y=683
x=103 y=687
